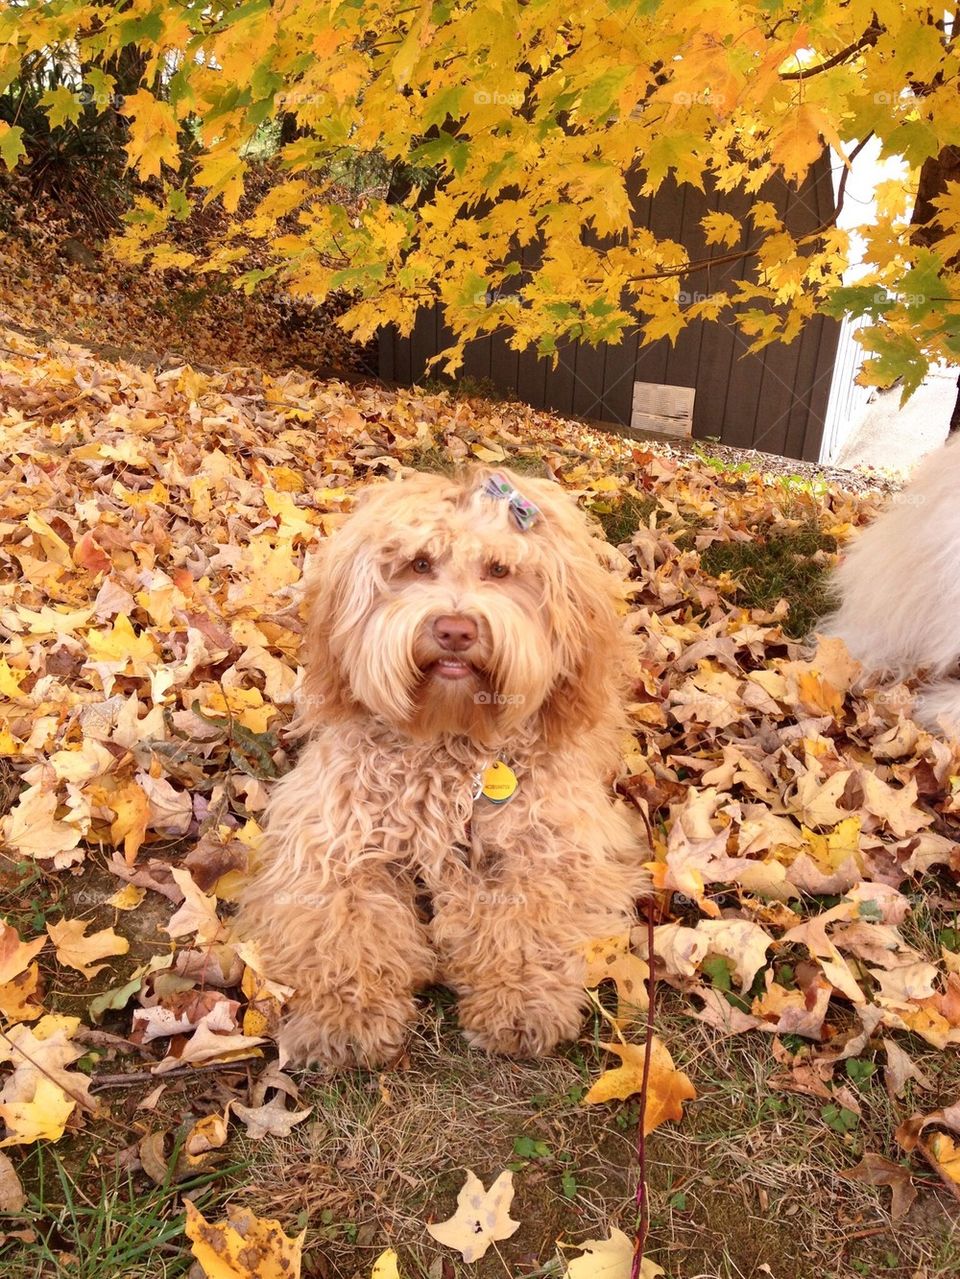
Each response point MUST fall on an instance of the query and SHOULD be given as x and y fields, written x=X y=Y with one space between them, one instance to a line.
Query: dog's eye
x=421 y=564
x=496 y=569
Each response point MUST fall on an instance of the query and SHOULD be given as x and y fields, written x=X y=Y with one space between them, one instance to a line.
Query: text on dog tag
x=499 y=783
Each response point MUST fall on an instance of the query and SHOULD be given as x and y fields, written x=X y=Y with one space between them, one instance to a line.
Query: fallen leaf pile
x=91 y=297
x=153 y=531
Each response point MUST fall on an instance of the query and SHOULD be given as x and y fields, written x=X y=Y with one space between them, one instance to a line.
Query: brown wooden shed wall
x=775 y=400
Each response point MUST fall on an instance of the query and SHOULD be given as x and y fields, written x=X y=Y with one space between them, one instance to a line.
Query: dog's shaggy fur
x=442 y=637
x=899 y=588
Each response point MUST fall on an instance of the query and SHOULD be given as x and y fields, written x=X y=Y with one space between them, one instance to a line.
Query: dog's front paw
x=518 y=1022
x=333 y=1032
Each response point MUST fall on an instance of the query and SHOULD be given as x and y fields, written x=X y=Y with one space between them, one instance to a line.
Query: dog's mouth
x=450 y=668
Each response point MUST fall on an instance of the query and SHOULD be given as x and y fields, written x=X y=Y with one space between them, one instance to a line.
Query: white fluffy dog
x=449 y=818
x=899 y=588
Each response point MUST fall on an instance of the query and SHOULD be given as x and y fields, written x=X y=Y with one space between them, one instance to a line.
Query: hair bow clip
x=522 y=509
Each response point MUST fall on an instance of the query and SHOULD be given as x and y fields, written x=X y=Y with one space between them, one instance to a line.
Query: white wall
x=848 y=402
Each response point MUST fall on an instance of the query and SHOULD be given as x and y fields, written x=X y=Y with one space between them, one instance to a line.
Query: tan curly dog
x=450 y=819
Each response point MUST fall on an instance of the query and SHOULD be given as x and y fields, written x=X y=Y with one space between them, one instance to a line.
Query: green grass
x=466 y=388
x=90 y=1222
x=748 y=1184
x=438 y=461
x=791 y=565
x=624 y=516
x=721 y=465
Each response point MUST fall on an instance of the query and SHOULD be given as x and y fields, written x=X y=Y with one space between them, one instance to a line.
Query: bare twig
x=132 y=1077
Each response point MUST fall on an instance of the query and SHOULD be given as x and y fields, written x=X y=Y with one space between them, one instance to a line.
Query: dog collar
x=496 y=783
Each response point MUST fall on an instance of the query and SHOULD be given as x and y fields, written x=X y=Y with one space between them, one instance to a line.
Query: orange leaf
x=667 y=1087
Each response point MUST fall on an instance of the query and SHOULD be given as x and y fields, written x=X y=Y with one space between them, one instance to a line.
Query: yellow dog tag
x=499 y=783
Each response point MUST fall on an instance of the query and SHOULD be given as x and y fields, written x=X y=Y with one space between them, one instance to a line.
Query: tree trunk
x=936 y=172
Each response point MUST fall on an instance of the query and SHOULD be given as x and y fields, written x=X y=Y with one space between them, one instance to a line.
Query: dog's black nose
x=455 y=633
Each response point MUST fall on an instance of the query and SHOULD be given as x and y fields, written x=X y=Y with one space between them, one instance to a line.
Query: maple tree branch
x=869 y=37
x=842 y=184
x=738 y=255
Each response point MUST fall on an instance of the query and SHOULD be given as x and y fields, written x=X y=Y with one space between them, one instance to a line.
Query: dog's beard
x=392 y=665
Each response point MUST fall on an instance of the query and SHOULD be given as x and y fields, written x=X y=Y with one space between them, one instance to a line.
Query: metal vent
x=668 y=409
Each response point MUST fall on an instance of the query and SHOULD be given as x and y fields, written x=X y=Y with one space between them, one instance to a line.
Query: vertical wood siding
x=775 y=400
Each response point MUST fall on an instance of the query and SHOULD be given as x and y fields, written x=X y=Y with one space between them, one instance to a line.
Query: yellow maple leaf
x=665 y=322
x=481 y=1219
x=127 y=898
x=152 y=136
x=49 y=540
x=817 y=695
x=245 y=705
x=131 y=813
x=243 y=1246
x=255 y=1023
x=19 y=975
x=799 y=143
x=285 y=480
x=721 y=228
x=40 y=1095
x=62 y=105
x=831 y=850
x=15 y=954
x=945 y=1151
x=290 y=518
x=386 y=1266
x=41 y=1118
x=11 y=143
x=208 y=1133
x=609 y=1259
x=16 y=996
x=667 y=1087
x=140 y=499
x=10 y=680
x=611 y=957
x=486 y=453
x=221 y=171
x=121 y=649
x=929 y=1025
x=74 y=950
x=52 y=621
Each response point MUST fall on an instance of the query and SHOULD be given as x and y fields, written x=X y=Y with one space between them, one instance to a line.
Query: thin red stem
x=643 y=1207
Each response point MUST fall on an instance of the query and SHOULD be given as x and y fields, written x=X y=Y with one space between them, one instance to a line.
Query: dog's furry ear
x=581 y=596
x=589 y=693
x=341 y=584
x=323 y=694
